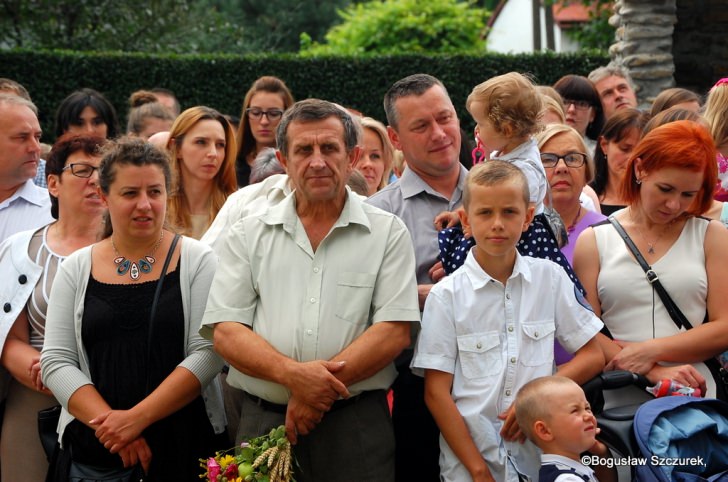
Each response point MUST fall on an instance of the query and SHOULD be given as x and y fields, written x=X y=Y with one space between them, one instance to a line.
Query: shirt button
x=313 y=300
x=479 y=346
x=508 y=393
x=510 y=328
x=535 y=335
x=513 y=359
x=316 y=270
x=309 y=332
x=22 y=279
x=7 y=307
x=508 y=296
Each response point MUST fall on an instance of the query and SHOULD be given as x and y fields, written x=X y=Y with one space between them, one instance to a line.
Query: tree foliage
x=596 y=33
x=179 y=26
x=404 y=26
x=276 y=25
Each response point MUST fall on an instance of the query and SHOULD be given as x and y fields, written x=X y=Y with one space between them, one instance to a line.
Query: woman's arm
x=18 y=356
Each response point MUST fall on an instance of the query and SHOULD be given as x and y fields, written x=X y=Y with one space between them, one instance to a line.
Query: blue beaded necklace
x=135 y=268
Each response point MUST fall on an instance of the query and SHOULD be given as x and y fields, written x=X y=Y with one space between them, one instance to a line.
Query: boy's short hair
x=493 y=173
x=532 y=402
x=510 y=98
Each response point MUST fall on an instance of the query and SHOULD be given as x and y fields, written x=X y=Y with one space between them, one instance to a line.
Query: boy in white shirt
x=555 y=415
x=489 y=328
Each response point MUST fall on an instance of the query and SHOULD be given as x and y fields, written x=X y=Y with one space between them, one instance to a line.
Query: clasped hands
x=120 y=432
x=314 y=389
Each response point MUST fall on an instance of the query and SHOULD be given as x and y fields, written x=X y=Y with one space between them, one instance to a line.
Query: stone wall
x=644 y=33
x=700 y=44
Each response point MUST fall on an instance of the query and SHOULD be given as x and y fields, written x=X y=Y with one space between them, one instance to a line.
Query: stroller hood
x=683 y=439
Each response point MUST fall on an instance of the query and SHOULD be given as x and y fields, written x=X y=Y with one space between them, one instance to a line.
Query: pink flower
x=213 y=469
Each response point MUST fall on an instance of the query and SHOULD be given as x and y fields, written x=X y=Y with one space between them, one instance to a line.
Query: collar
x=479 y=278
x=412 y=184
x=30 y=193
x=572 y=464
x=284 y=213
x=520 y=152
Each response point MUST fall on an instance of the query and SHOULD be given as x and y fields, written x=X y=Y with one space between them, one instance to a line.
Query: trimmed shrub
x=220 y=81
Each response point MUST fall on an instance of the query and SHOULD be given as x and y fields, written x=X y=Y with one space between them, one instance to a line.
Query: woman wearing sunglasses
x=263 y=108
x=29 y=261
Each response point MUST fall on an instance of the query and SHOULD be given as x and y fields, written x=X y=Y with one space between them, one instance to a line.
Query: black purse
x=720 y=375
x=48 y=418
x=47 y=429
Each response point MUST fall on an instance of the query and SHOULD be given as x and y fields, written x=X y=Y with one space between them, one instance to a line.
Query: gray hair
x=601 y=73
x=310 y=110
x=265 y=165
x=416 y=84
x=12 y=99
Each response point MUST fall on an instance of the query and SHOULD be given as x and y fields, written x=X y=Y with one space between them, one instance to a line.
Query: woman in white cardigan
x=133 y=395
x=29 y=261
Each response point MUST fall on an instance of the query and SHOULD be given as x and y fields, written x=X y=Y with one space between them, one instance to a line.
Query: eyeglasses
x=572 y=159
x=257 y=114
x=578 y=104
x=81 y=169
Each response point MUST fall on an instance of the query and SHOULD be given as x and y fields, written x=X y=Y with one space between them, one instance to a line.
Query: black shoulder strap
x=153 y=311
x=672 y=309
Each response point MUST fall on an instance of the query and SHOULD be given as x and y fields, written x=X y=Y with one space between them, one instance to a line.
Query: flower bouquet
x=266 y=458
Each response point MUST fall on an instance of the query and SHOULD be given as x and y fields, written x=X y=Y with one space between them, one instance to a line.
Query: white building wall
x=512 y=31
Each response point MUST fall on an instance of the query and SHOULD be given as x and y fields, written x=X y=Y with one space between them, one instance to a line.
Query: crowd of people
x=405 y=310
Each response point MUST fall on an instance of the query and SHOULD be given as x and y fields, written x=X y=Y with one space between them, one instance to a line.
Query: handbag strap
x=672 y=309
x=155 y=302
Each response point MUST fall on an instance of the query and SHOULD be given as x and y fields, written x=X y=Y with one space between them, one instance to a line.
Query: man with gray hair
x=309 y=327
x=23 y=205
x=615 y=88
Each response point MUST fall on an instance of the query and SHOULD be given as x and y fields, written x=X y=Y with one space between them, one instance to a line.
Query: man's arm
x=373 y=350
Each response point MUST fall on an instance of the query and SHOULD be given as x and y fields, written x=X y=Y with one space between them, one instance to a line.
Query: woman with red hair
x=668 y=185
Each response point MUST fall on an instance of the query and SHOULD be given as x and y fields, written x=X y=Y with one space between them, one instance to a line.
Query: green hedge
x=220 y=81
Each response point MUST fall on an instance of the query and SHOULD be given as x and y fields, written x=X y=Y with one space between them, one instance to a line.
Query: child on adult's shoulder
x=508 y=111
x=489 y=328
x=554 y=414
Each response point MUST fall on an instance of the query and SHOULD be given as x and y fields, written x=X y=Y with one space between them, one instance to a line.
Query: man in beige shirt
x=311 y=303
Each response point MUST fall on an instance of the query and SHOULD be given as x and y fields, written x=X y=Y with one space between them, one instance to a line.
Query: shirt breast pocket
x=480 y=354
x=538 y=343
x=354 y=296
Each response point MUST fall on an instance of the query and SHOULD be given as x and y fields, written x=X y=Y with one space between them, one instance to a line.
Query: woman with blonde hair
x=202 y=157
x=377 y=155
x=716 y=114
x=263 y=107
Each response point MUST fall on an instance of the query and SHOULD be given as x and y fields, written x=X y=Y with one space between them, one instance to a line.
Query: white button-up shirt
x=494 y=339
x=28 y=208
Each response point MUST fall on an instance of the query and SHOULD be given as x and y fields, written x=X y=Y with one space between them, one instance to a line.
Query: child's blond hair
x=510 y=99
x=533 y=402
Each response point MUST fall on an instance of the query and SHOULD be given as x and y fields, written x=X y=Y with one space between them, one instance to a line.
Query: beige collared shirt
x=311 y=305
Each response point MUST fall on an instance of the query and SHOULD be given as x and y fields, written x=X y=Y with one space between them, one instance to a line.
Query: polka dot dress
x=538 y=242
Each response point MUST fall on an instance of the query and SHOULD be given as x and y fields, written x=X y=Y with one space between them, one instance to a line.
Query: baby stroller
x=682 y=439
x=664 y=439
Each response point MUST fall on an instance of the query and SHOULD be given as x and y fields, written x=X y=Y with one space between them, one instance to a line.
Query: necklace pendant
x=650 y=249
x=123 y=265
x=145 y=265
x=134 y=272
